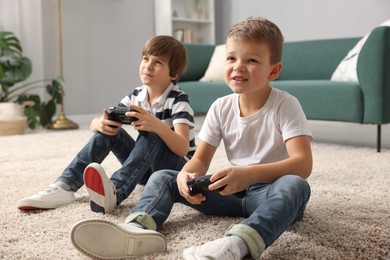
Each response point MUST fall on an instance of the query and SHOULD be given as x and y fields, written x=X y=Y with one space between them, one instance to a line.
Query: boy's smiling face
x=247 y=66
x=154 y=71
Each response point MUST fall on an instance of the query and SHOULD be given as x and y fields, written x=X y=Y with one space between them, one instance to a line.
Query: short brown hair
x=170 y=48
x=262 y=30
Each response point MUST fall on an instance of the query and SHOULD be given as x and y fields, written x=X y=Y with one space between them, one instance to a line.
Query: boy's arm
x=177 y=140
x=237 y=178
x=197 y=166
x=103 y=125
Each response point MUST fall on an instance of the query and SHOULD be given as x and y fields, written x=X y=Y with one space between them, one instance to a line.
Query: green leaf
x=8 y=41
x=32 y=117
x=55 y=90
x=32 y=112
x=47 y=112
x=18 y=73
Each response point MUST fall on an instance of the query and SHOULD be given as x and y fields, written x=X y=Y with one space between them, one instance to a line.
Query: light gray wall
x=306 y=19
x=102 y=39
x=102 y=43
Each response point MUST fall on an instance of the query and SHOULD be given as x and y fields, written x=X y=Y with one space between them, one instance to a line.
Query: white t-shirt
x=259 y=138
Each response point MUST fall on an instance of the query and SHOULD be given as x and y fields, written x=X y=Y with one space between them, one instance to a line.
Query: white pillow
x=346 y=70
x=215 y=70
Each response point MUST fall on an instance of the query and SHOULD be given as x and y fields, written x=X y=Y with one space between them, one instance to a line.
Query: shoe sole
x=31 y=207
x=28 y=208
x=97 y=183
x=98 y=238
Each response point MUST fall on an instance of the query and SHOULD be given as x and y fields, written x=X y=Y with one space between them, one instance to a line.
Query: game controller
x=118 y=114
x=201 y=184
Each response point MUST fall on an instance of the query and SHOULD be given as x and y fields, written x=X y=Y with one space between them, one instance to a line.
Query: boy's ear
x=175 y=77
x=277 y=68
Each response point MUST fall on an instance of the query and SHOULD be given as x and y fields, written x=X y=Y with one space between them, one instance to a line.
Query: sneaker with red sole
x=51 y=197
x=102 y=192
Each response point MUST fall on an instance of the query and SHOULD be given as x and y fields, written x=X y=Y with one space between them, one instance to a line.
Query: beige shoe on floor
x=98 y=238
x=51 y=197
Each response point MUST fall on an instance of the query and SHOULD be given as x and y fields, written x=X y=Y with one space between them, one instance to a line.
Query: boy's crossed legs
x=269 y=209
x=139 y=159
x=61 y=192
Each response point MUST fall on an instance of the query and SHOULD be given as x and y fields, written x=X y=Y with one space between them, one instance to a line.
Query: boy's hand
x=182 y=178
x=105 y=125
x=146 y=121
x=232 y=177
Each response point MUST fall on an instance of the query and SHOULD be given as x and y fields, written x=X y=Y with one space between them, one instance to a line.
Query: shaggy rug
x=348 y=215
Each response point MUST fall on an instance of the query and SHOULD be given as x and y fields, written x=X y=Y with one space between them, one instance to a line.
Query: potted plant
x=16 y=97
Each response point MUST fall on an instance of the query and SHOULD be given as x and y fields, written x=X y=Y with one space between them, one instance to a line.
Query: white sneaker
x=222 y=248
x=102 y=239
x=49 y=198
x=102 y=192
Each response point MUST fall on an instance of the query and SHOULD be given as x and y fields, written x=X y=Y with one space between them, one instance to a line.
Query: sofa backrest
x=373 y=70
x=199 y=56
x=314 y=59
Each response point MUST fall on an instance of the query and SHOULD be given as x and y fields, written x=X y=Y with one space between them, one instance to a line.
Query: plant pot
x=12 y=119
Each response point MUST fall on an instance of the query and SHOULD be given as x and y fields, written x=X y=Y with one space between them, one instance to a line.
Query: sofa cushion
x=325 y=99
x=215 y=70
x=203 y=94
x=199 y=56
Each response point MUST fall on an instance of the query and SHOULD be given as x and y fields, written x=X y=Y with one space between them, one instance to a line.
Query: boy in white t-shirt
x=267 y=141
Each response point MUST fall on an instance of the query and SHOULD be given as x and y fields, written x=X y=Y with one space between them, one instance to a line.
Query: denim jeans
x=139 y=160
x=268 y=208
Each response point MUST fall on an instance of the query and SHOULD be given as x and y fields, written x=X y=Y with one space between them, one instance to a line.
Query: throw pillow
x=216 y=67
x=346 y=70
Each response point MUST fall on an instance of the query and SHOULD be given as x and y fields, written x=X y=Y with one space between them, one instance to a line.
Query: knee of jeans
x=99 y=136
x=294 y=183
x=295 y=180
x=153 y=135
x=149 y=136
x=163 y=176
x=299 y=184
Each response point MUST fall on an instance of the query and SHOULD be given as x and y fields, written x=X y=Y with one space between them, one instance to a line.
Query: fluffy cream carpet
x=348 y=216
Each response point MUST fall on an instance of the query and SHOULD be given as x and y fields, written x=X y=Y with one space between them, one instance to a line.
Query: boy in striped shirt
x=163 y=112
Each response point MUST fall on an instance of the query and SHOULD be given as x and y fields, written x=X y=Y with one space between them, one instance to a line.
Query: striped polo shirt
x=172 y=107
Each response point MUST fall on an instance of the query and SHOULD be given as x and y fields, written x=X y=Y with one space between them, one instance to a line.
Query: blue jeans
x=139 y=160
x=268 y=208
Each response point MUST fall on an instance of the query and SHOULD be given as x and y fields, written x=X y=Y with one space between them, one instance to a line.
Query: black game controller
x=201 y=184
x=118 y=114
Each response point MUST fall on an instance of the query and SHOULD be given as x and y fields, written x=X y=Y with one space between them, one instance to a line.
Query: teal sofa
x=307 y=69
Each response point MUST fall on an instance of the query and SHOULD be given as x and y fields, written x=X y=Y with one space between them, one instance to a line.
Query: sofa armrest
x=199 y=56
x=373 y=71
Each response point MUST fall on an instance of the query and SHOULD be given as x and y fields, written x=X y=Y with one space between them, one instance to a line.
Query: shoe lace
x=48 y=190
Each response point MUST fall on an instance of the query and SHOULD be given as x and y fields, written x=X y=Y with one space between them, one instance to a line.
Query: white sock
x=244 y=250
